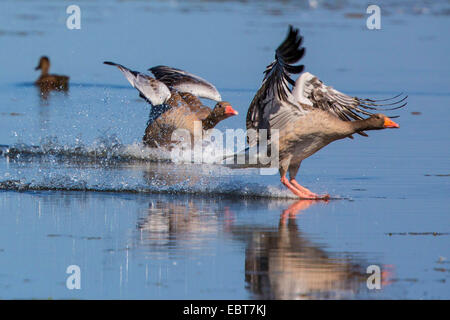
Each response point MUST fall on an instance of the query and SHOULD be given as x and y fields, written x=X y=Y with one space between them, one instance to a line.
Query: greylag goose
x=174 y=96
x=310 y=116
x=50 y=81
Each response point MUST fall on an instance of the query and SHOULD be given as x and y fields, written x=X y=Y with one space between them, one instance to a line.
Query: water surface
x=78 y=188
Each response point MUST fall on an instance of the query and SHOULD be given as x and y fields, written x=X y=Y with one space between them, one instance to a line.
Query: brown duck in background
x=48 y=81
x=175 y=103
x=310 y=116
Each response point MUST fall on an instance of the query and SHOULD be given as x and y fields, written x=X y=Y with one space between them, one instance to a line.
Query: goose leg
x=293 y=169
x=303 y=189
x=294 y=190
x=285 y=164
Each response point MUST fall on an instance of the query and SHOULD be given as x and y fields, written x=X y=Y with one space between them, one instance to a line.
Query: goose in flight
x=310 y=115
x=174 y=95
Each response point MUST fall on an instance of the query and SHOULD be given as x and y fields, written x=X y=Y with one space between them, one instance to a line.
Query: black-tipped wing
x=273 y=105
x=309 y=90
x=154 y=91
x=183 y=81
x=277 y=74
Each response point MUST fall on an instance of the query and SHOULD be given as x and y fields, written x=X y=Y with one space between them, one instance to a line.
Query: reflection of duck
x=175 y=103
x=308 y=117
x=46 y=81
x=284 y=264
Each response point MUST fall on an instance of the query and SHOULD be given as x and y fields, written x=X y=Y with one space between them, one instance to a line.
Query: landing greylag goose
x=50 y=81
x=310 y=116
x=174 y=96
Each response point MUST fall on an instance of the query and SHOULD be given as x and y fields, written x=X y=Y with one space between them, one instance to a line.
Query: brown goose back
x=159 y=132
x=196 y=105
x=179 y=116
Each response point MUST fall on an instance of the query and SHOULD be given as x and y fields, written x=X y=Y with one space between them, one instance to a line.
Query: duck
x=310 y=115
x=174 y=96
x=48 y=81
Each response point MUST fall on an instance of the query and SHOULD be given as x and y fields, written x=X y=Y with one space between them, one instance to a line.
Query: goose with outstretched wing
x=310 y=115
x=174 y=95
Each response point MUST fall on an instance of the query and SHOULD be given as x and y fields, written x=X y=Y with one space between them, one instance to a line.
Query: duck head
x=44 y=64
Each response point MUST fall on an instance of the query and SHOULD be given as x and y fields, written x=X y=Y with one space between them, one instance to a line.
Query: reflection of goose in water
x=194 y=221
x=280 y=263
x=284 y=264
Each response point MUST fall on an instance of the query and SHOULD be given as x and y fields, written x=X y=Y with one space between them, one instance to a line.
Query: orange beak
x=388 y=123
x=230 y=111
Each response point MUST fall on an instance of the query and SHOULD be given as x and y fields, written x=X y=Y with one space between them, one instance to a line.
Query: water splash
x=107 y=165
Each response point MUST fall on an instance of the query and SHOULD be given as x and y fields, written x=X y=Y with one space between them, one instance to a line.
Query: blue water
x=78 y=188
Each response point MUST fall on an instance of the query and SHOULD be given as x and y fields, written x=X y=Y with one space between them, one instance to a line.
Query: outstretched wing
x=311 y=91
x=273 y=105
x=154 y=91
x=183 y=81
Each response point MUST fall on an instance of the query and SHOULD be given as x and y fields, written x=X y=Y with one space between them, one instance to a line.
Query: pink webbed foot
x=301 y=192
